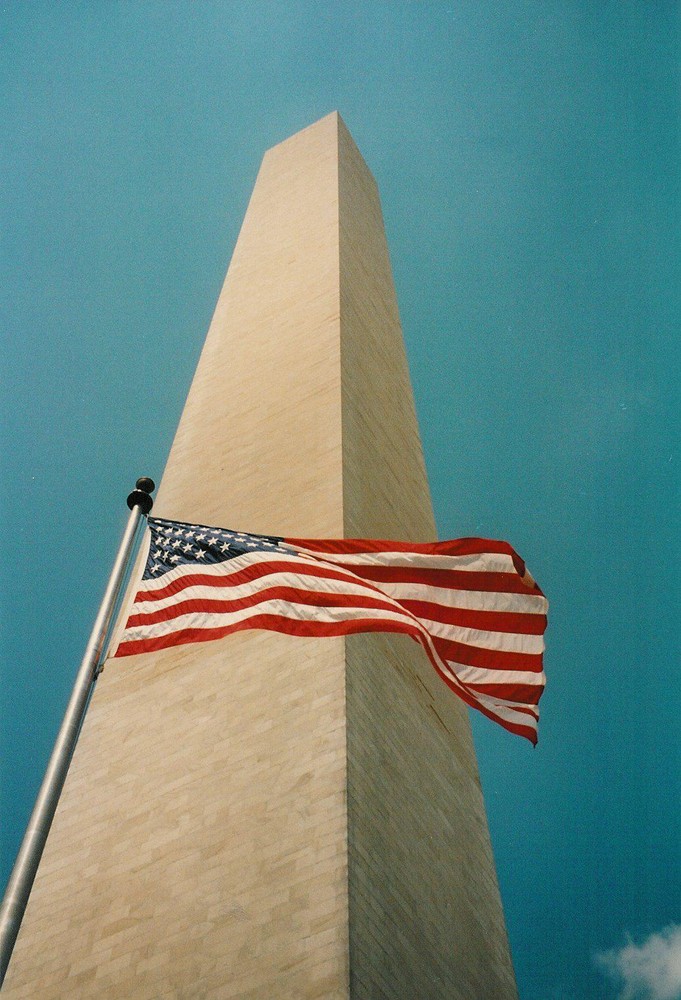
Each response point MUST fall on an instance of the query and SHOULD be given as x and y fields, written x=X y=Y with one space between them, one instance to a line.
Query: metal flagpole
x=28 y=859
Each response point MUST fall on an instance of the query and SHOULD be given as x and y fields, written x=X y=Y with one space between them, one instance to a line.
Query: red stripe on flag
x=215 y=606
x=445 y=579
x=247 y=574
x=493 y=659
x=274 y=623
x=485 y=621
x=360 y=546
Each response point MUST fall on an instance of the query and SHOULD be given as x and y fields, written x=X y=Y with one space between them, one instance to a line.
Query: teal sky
x=527 y=155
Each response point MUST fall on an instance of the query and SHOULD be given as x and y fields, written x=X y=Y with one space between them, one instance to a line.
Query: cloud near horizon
x=649 y=971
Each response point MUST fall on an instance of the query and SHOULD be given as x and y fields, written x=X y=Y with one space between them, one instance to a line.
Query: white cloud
x=649 y=971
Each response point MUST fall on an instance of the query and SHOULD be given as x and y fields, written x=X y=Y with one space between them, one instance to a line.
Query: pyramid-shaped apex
x=333 y=116
x=331 y=125
x=326 y=139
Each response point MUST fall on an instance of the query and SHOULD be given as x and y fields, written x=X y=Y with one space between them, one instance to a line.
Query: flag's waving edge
x=470 y=603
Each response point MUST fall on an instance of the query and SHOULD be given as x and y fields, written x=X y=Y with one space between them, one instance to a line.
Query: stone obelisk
x=268 y=816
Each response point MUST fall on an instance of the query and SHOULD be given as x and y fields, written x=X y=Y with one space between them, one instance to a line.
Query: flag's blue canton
x=176 y=544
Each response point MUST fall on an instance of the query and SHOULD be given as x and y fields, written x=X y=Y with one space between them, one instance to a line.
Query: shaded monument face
x=265 y=815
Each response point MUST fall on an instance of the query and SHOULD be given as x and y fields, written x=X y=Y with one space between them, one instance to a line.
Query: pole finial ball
x=140 y=495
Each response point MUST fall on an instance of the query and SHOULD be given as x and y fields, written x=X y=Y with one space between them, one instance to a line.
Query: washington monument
x=268 y=816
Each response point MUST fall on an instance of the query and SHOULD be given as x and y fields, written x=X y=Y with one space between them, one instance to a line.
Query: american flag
x=470 y=603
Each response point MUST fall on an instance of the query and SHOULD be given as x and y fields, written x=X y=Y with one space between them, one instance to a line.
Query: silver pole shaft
x=28 y=859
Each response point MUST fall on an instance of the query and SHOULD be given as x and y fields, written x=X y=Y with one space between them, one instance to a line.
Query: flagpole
x=30 y=852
